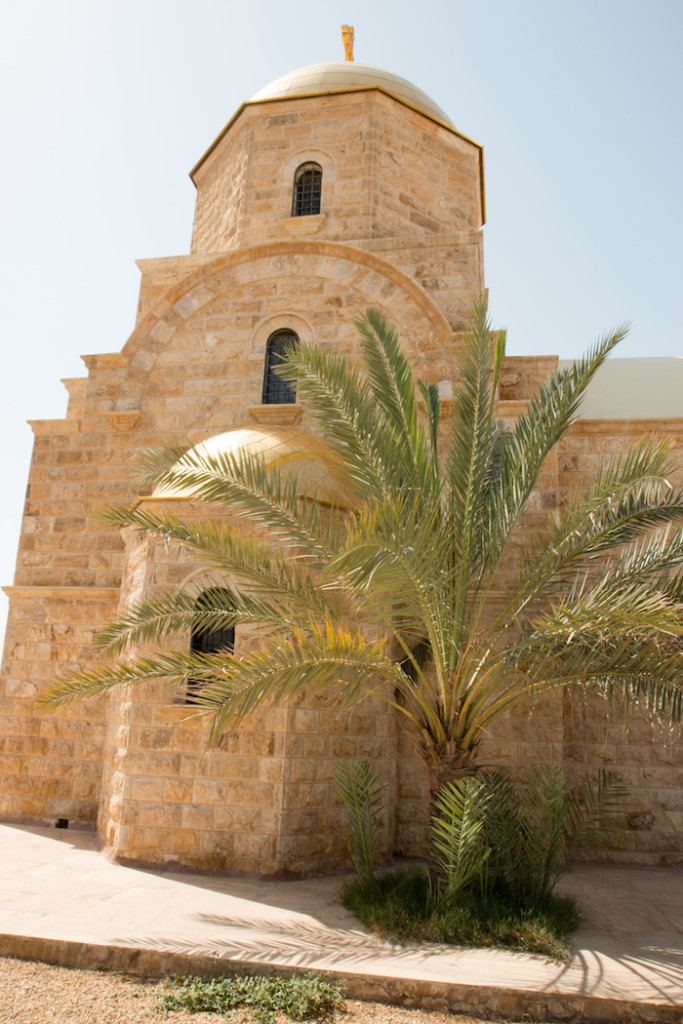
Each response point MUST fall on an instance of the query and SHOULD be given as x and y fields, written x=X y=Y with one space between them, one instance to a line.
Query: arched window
x=308 y=181
x=275 y=390
x=215 y=638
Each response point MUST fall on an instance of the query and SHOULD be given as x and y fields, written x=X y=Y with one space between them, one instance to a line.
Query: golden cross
x=347 y=36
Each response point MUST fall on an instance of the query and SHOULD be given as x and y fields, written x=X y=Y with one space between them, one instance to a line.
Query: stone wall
x=50 y=766
x=649 y=758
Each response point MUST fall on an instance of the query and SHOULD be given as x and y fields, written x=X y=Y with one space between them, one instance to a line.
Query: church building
x=336 y=188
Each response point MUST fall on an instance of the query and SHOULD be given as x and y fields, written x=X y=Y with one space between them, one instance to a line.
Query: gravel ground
x=35 y=993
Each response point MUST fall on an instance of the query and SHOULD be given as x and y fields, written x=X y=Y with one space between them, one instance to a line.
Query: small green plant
x=301 y=997
x=404 y=907
x=363 y=796
x=498 y=849
x=458 y=850
x=535 y=828
x=517 y=839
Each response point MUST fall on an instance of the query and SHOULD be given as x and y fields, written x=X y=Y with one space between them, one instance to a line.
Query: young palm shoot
x=457 y=832
x=363 y=796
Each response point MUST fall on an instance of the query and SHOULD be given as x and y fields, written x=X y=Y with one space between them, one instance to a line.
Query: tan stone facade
x=399 y=229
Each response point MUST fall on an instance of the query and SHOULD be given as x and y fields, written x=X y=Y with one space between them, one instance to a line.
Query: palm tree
x=429 y=593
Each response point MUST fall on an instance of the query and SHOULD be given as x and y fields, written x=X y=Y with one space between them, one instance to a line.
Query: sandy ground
x=35 y=993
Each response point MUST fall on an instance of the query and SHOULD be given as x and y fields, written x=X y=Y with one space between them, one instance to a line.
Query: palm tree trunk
x=445 y=763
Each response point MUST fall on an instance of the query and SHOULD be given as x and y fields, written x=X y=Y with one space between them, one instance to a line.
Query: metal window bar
x=308 y=182
x=275 y=390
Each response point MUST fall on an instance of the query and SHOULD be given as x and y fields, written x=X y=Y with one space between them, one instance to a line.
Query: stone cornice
x=625 y=426
x=276 y=415
x=123 y=420
x=53 y=426
x=62 y=593
x=508 y=408
x=301 y=226
x=110 y=360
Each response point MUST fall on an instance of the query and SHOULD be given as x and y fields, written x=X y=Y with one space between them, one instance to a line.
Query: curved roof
x=293 y=451
x=342 y=76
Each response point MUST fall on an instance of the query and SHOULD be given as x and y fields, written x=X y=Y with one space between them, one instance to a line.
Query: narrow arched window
x=275 y=390
x=308 y=183
x=210 y=637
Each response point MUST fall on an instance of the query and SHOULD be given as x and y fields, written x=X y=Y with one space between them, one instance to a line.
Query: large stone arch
x=376 y=282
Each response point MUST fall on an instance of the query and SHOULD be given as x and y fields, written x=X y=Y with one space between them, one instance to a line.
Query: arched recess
x=306 y=156
x=377 y=282
x=300 y=325
x=297 y=199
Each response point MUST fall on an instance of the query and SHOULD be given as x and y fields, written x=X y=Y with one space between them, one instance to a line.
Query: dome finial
x=347 y=36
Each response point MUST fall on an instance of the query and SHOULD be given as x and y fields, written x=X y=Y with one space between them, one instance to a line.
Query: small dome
x=341 y=76
x=294 y=451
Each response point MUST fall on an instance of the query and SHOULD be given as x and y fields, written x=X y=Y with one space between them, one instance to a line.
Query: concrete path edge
x=412 y=993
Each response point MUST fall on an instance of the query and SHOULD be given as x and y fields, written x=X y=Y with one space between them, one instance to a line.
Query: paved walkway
x=61 y=900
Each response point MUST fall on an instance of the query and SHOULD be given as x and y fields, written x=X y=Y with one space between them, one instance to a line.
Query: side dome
x=292 y=451
x=343 y=76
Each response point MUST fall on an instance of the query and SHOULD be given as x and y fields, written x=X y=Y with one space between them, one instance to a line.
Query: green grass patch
x=301 y=997
x=403 y=907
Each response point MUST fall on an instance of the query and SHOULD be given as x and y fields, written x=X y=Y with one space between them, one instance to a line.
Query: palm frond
x=172 y=667
x=505 y=832
x=472 y=449
x=617 y=655
x=260 y=567
x=363 y=796
x=250 y=488
x=650 y=560
x=536 y=431
x=629 y=498
x=457 y=831
x=323 y=656
x=391 y=380
x=202 y=607
x=659 y=695
x=150 y=466
x=391 y=563
x=432 y=401
x=345 y=411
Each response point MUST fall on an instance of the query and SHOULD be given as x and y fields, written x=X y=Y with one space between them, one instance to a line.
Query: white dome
x=341 y=76
x=294 y=451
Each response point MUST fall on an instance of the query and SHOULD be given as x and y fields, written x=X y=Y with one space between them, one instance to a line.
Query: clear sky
x=107 y=104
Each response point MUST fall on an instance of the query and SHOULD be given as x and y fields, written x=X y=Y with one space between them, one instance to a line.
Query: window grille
x=209 y=641
x=308 y=181
x=275 y=390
